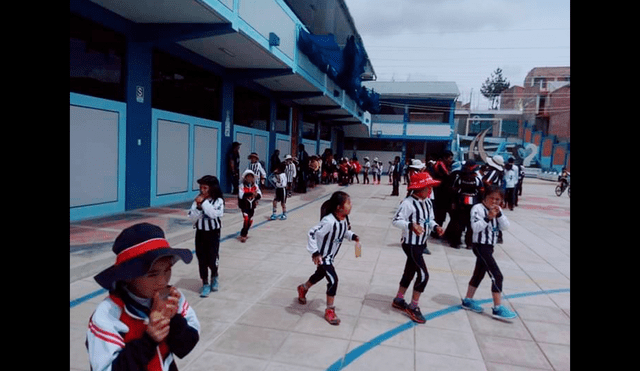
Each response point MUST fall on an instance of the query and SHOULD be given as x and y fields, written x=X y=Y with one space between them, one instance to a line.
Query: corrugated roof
x=414 y=89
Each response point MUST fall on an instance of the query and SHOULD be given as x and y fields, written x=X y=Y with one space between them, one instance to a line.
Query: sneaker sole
x=472 y=310
x=503 y=318
x=414 y=318
x=394 y=305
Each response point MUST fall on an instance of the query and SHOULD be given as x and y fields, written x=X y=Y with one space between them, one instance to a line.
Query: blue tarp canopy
x=343 y=66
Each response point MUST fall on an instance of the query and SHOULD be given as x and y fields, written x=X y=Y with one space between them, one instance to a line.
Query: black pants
x=247 y=215
x=486 y=263
x=441 y=206
x=415 y=265
x=460 y=220
x=510 y=197
x=396 y=186
x=207 y=252
x=329 y=272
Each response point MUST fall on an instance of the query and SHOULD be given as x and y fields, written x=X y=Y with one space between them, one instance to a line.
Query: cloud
x=388 y=17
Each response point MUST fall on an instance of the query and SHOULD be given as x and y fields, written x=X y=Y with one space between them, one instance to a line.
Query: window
x=96 y=59
x=181 y=87
x=282 y=119
x=250 y=109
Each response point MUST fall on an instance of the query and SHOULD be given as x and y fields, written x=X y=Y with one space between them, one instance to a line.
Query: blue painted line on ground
x=101 y=291
x=362 y=349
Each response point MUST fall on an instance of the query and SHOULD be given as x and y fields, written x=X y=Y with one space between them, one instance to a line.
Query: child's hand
x=439 y=230
x=199 y=199
x=171 y=303
x=493 y=212
x=158 y=327
x=416 y=228
x=317 y=259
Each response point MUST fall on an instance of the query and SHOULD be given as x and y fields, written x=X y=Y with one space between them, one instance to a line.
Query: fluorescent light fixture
x=227 y=52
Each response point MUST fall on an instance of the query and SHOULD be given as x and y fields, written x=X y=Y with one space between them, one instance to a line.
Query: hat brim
x=494 y=164
x=420 y=185
x=139 y=266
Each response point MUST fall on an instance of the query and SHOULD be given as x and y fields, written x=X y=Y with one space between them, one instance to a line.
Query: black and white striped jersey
x=485 y=231
x=414 y=210
x=209 y=216
x=291 y=172
x=257 y=169
x=326 y=237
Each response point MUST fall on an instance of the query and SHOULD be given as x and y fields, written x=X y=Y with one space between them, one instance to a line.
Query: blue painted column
x=272 y=134
x=138 y=149
x=227 y=134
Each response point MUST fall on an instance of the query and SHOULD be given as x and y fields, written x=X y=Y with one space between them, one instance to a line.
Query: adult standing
x=233 y=166
x=395 y=176
x=274 y=162
x=303 y=168
x=467 y=189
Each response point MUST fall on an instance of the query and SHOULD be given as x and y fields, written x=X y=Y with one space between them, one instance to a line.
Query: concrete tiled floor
x=255 y=322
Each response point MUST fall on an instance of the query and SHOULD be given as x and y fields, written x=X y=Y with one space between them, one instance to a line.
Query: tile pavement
x=255 y=323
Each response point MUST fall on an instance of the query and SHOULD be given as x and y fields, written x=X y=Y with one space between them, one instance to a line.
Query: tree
x=494 y=86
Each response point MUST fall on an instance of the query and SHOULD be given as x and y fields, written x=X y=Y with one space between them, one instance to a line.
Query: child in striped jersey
x=487 y=220
x=206 y=211
x=324 y=241
x=415 y=218
x=256 y=167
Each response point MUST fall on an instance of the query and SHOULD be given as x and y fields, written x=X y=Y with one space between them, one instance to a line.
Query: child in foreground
x=415 y=218
x=143 y=322
x=487 y=220
x=324 y=241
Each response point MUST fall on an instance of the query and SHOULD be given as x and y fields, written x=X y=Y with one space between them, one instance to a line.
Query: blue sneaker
x=204 y=292
x=283 y=216
x=214 y=284
x=273 y=217
x=502 y=312
x=470 y=304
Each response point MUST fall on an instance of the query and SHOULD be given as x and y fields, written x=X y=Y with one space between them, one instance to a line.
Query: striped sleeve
x=104 y=340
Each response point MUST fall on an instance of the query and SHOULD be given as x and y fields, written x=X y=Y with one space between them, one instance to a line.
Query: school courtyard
x=255 y=322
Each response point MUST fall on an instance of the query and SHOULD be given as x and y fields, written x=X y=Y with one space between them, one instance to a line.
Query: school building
x=415 y=120
x=160 y=90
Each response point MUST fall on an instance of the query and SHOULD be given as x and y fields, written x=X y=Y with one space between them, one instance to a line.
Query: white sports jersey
x=208 y=218
x=326 y=237
x=414 y=210
x=485 y=231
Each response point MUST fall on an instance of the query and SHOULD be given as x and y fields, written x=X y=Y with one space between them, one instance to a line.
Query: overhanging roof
x=414 y=89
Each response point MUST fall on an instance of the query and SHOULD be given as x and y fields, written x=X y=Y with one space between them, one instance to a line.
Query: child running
x=324 y=241
x=248 y=195
x=279 y=178
x=416 y=219
x=487 y=220
x=205 y=212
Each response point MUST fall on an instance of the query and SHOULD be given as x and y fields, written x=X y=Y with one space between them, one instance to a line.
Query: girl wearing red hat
x=415 y=218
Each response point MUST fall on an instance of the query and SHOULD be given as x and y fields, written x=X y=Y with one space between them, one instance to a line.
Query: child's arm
x=503 y=222
x=194 y=213
x=184 y=330
x=401 y=219
x=315 y=234
x=478 y=222
x=258 y=194
x=213 y=209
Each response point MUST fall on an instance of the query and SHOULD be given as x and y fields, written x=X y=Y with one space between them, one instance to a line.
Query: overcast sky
x=462 y=40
